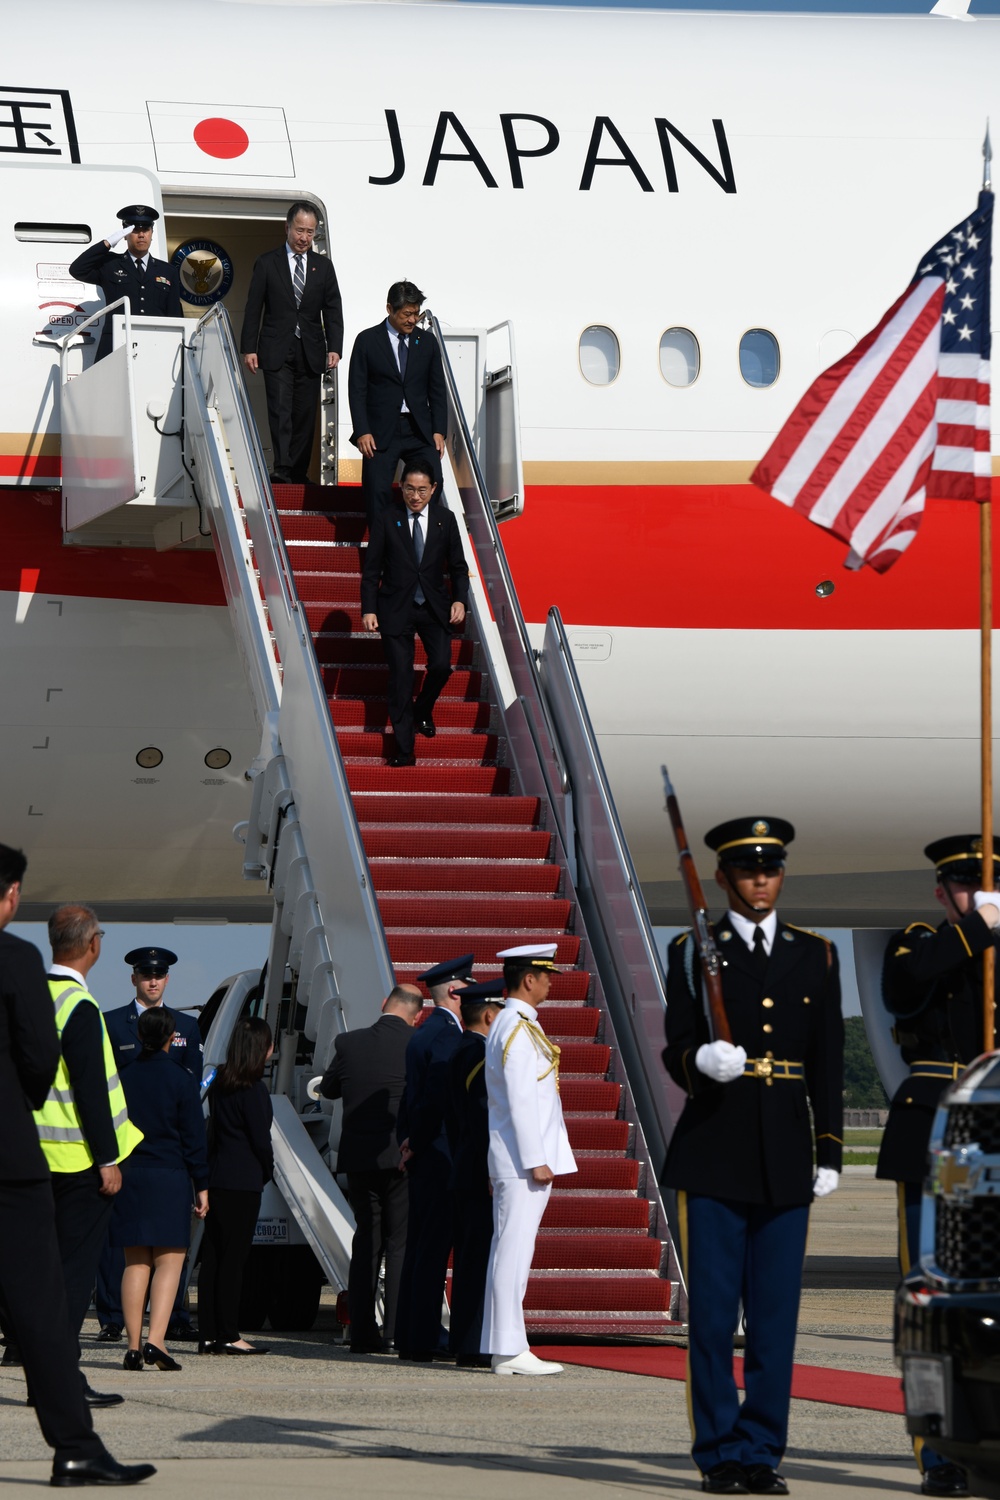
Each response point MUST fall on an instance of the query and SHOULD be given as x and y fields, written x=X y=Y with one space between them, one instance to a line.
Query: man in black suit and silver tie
x=399 y=405
x=295 y=291
x=411 y=547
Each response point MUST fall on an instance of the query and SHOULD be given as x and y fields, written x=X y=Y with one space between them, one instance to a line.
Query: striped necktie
x=299 y=286
x=418 y=544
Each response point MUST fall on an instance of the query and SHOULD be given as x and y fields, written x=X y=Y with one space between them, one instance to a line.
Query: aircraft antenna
x=987 y=158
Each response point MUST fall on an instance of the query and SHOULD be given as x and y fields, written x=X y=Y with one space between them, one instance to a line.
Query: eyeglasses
x=99 y=932
x=414 y=489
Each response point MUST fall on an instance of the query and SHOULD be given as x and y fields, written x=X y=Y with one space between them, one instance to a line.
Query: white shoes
x=524 y=1364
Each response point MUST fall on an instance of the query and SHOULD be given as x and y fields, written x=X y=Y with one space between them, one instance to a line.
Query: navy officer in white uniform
x=529 y=1147
x=151 y=286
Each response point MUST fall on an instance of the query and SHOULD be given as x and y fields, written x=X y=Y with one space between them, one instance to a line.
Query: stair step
x=460 y=841
x=570 y=1021
x=589 y=1215
x=527 y=912
x=597 y=1294
x=336 y=619
x=604 y=1174
x=366 y=650
x=589 y=1098
x=423 y=949
x=599 y=1134
x=596 y=1252
x=584 y=1057
x=445 y=746
x=456 y=779
x=330 y=591
x=298 y=499
x=373 y=682
x=572 y=984
x=378 y=806
x=309 y=560
x=324 y=526
x=371 y=714
x=462 y=875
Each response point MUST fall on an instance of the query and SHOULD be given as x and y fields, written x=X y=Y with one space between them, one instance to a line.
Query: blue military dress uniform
x=469 y=1134
x=186 y=1048
x=153 y=288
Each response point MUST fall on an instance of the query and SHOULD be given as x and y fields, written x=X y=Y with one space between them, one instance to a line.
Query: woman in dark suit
x=240 y=1162
x=152 y=1217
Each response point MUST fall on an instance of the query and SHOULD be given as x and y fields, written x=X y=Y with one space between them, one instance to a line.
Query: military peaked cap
x=751 y=841
x=151 y=958
x=452 y=968
x=139 y=215
x=961 y=856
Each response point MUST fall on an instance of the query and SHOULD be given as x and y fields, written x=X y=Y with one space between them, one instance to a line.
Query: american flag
x=905 y=415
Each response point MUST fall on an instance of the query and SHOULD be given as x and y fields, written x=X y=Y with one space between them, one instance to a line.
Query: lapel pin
x=789 y=937
x=724 y=937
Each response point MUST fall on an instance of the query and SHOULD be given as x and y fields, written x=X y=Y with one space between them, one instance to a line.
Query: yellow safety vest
x=58 y=1120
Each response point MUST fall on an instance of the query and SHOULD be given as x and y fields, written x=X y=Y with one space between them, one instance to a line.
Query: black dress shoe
x=402 y=760
x=133 y=1360
x=725 y=1479
x=103 y=1470
x=181 y=1332
x=945 y=1479
x=235 y=1349
x=101 y=1398
x=111 y=1333
x=207 y=1346
x=159 y=1357
x=11 y=1356
x=426 y=727
x=763 y=1480
x=473 y=1362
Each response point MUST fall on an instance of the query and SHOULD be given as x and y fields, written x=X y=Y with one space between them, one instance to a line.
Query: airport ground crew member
x=423 y=1140
x=468 y=1123
x=741 y=1156
x=932 y=982
x=152 y=286
x=529 y=1148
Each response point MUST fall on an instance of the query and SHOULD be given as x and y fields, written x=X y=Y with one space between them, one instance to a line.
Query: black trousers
x=425 y=1264
x=380 y=1200
x=35 y=1308
x=82 y=1218
x=292 y=397
x=378 y=472
x=224 y=1252
x=470 y=1260
x=398 y=649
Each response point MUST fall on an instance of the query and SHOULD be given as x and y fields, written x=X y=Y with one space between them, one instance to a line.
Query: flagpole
x=986 y=710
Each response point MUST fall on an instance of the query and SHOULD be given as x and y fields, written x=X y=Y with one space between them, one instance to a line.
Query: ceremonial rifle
x=708 y=953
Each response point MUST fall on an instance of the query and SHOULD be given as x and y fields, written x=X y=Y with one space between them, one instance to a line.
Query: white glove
x=118 y=234
x=988 y=898
x=720 y=1060
x=826 y=1182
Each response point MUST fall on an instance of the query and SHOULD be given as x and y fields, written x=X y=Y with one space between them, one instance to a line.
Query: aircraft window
x=760 y=359
x=600 y=356
x=51 y=234
x=680 y=357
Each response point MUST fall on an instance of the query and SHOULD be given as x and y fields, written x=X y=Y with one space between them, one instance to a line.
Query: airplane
x=685 y=217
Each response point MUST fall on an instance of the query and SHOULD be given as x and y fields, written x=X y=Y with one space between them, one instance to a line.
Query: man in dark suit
x=468 y=1124
x=932 y=982
x=424 y=1144
x=31 y=1280
x=151 y=286
x=399 y=405
x=741 y=1156
x=150 y=975
x=368 y=1072
x=295 y=291
x=411 y=547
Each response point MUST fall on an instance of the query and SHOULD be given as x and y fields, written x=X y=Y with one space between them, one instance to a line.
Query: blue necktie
x=418 y=543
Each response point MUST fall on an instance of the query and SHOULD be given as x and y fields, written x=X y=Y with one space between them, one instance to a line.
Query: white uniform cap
x=530 y=950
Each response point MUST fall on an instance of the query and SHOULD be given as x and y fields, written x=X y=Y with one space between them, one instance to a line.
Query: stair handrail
x=313 y=731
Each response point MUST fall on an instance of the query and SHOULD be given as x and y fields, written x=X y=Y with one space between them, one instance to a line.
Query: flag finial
x=987 y=158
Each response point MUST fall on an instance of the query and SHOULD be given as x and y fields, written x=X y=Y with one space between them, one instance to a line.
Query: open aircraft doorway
x=215 y=238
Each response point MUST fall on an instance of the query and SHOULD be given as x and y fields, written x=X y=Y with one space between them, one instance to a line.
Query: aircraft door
x=51 y=213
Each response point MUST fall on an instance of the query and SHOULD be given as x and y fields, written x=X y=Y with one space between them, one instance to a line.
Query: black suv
x=948 y=1309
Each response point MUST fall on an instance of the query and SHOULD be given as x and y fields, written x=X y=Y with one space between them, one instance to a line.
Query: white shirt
x=745 y=929
x=141 y=261
x=526 y=1118
x=61 y=971
x=418 y=519
x=291 y=261
x=396 y=339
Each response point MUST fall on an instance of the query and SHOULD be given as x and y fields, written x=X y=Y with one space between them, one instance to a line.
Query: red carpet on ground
x=809 y=1382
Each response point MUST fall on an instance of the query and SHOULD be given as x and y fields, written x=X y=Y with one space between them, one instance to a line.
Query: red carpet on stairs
x=809 y=1382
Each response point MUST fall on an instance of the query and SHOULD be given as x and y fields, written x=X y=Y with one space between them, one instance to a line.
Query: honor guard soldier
x=469 y=1135
x=741 y=1156
x=150 y=974
x=529 y=1148
x=932 y=982
x=151 y=286
x=421 y=1133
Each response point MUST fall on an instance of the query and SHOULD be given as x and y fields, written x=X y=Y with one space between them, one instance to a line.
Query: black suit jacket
x=376 y=390
x=749 y=1140
x=368 y=1072
x=29 y=1056
x=390 y=574
x=932 y=982
x=157 y=292
x=469 y=1116
x=320 y=314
